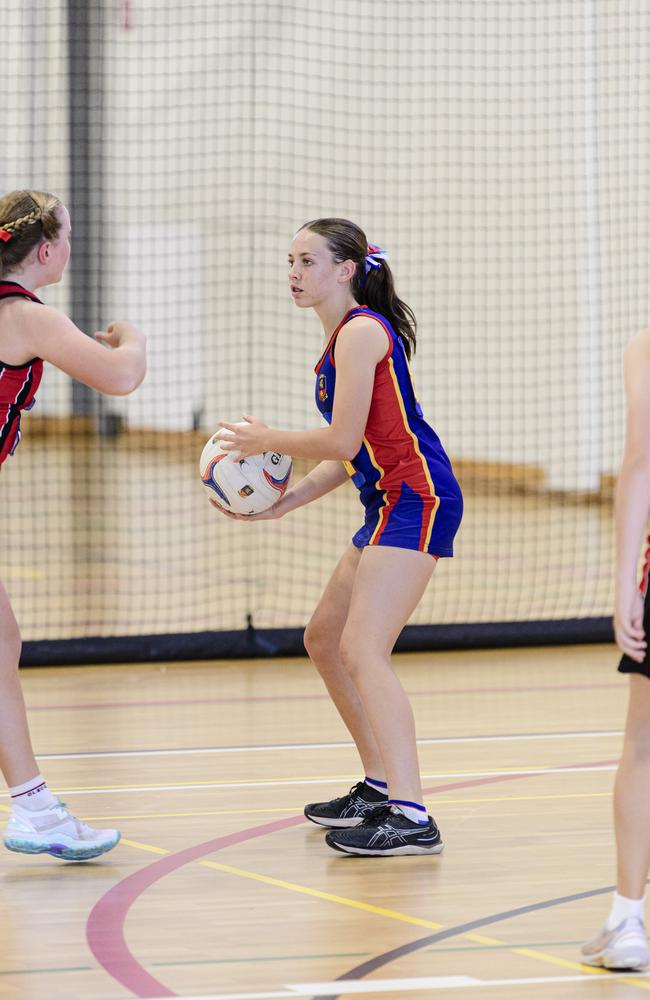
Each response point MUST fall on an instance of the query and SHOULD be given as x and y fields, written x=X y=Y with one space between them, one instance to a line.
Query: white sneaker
x=626 y=947
x=55 y=831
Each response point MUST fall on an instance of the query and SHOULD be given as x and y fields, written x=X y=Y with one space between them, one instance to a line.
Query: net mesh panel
x=499 y=150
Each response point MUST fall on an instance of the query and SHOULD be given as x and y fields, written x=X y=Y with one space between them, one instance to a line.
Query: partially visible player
x=622 y=942
x=412 y=503
x=34 y=251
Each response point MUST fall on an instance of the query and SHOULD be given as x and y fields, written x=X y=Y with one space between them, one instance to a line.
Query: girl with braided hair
x=34 y=251
x=377 y=435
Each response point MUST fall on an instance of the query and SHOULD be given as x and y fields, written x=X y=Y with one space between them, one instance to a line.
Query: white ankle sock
x=622 y=908
x=412 y=810
x=33 y=795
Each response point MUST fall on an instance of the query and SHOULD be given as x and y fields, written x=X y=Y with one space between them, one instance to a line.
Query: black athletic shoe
x=387 y=831
x=349 y=810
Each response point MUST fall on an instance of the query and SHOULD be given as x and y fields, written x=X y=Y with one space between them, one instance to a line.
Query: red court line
x=249 y=699
x=105 y=925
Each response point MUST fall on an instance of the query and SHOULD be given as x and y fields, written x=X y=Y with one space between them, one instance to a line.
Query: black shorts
x=629 y=666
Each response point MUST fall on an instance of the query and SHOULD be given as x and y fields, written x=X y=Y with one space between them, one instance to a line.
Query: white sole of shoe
x=395 y=852
x=65 y=849
x=634 y=961
x=334 y=824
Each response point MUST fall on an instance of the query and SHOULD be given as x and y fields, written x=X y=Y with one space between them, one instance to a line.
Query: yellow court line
x=565 y=963
x=302 y=889
x=495 y=772
x=392 y=914
x=319 y=894
x=294 y=887
x=144 y=847
x=523 y=798
x=292 y=809
x=209 y=784
x=481 y=939
x=191 y=815
x=589 y=970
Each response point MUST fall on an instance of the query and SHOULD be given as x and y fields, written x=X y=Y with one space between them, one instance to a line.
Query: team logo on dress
x=322 y=388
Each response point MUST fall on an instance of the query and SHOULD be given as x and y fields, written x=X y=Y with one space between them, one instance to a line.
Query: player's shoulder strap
x=12 y=288
x=397 y=351
x=370 y=313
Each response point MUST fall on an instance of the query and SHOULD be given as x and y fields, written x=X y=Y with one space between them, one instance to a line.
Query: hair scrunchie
x=374 y=257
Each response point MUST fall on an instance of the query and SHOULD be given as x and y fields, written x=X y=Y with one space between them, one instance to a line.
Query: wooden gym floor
x=221 y=889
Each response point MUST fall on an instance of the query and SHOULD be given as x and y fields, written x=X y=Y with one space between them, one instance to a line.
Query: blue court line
x=406 y=949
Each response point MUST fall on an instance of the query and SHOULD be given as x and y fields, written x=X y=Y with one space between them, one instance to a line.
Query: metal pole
x=85 y=101
x=591 y=459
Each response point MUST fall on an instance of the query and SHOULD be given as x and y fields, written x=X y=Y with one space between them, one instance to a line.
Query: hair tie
x=5 y=235
x=374 y=257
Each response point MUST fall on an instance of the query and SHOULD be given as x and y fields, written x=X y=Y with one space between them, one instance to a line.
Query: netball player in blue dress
x=375 y=434
x=34 y=250
x=622 y=942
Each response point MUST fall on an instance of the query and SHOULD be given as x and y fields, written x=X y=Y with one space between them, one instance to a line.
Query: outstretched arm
x=55 y=338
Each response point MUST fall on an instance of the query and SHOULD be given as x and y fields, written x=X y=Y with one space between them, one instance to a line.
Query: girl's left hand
x=266 y=515
x=245 y=439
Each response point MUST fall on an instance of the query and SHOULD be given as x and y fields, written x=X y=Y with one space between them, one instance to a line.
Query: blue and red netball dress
x=18 y=384
x=404 y=477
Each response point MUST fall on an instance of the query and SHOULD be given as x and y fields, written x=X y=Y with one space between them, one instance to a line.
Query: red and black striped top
x=18 y=383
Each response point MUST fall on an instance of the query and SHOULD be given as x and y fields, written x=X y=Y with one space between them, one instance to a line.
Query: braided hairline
x=25 y=220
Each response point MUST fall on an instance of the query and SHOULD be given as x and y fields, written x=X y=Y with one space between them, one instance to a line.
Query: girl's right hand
x=272 y=514
x=628 y=625
x=118 y=333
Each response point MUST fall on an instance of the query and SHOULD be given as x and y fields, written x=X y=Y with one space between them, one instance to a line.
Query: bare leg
x=63 y=836
x=632 y=794
x=322 y=642
x=17 y=761
x=387 y=588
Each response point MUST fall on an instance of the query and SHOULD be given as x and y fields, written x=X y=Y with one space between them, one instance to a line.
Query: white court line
x=217 y=785
x=436 y=740
x=281 y=995
x=344 y=987
x=382 y=985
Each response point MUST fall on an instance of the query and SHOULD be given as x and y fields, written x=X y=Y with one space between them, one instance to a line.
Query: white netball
x=247 y=486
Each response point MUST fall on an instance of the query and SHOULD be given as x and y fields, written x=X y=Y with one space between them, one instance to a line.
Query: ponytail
x=372 y=284
x=376 y=289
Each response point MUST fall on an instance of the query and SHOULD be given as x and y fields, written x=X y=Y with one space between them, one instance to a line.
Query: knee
x=318 y=641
